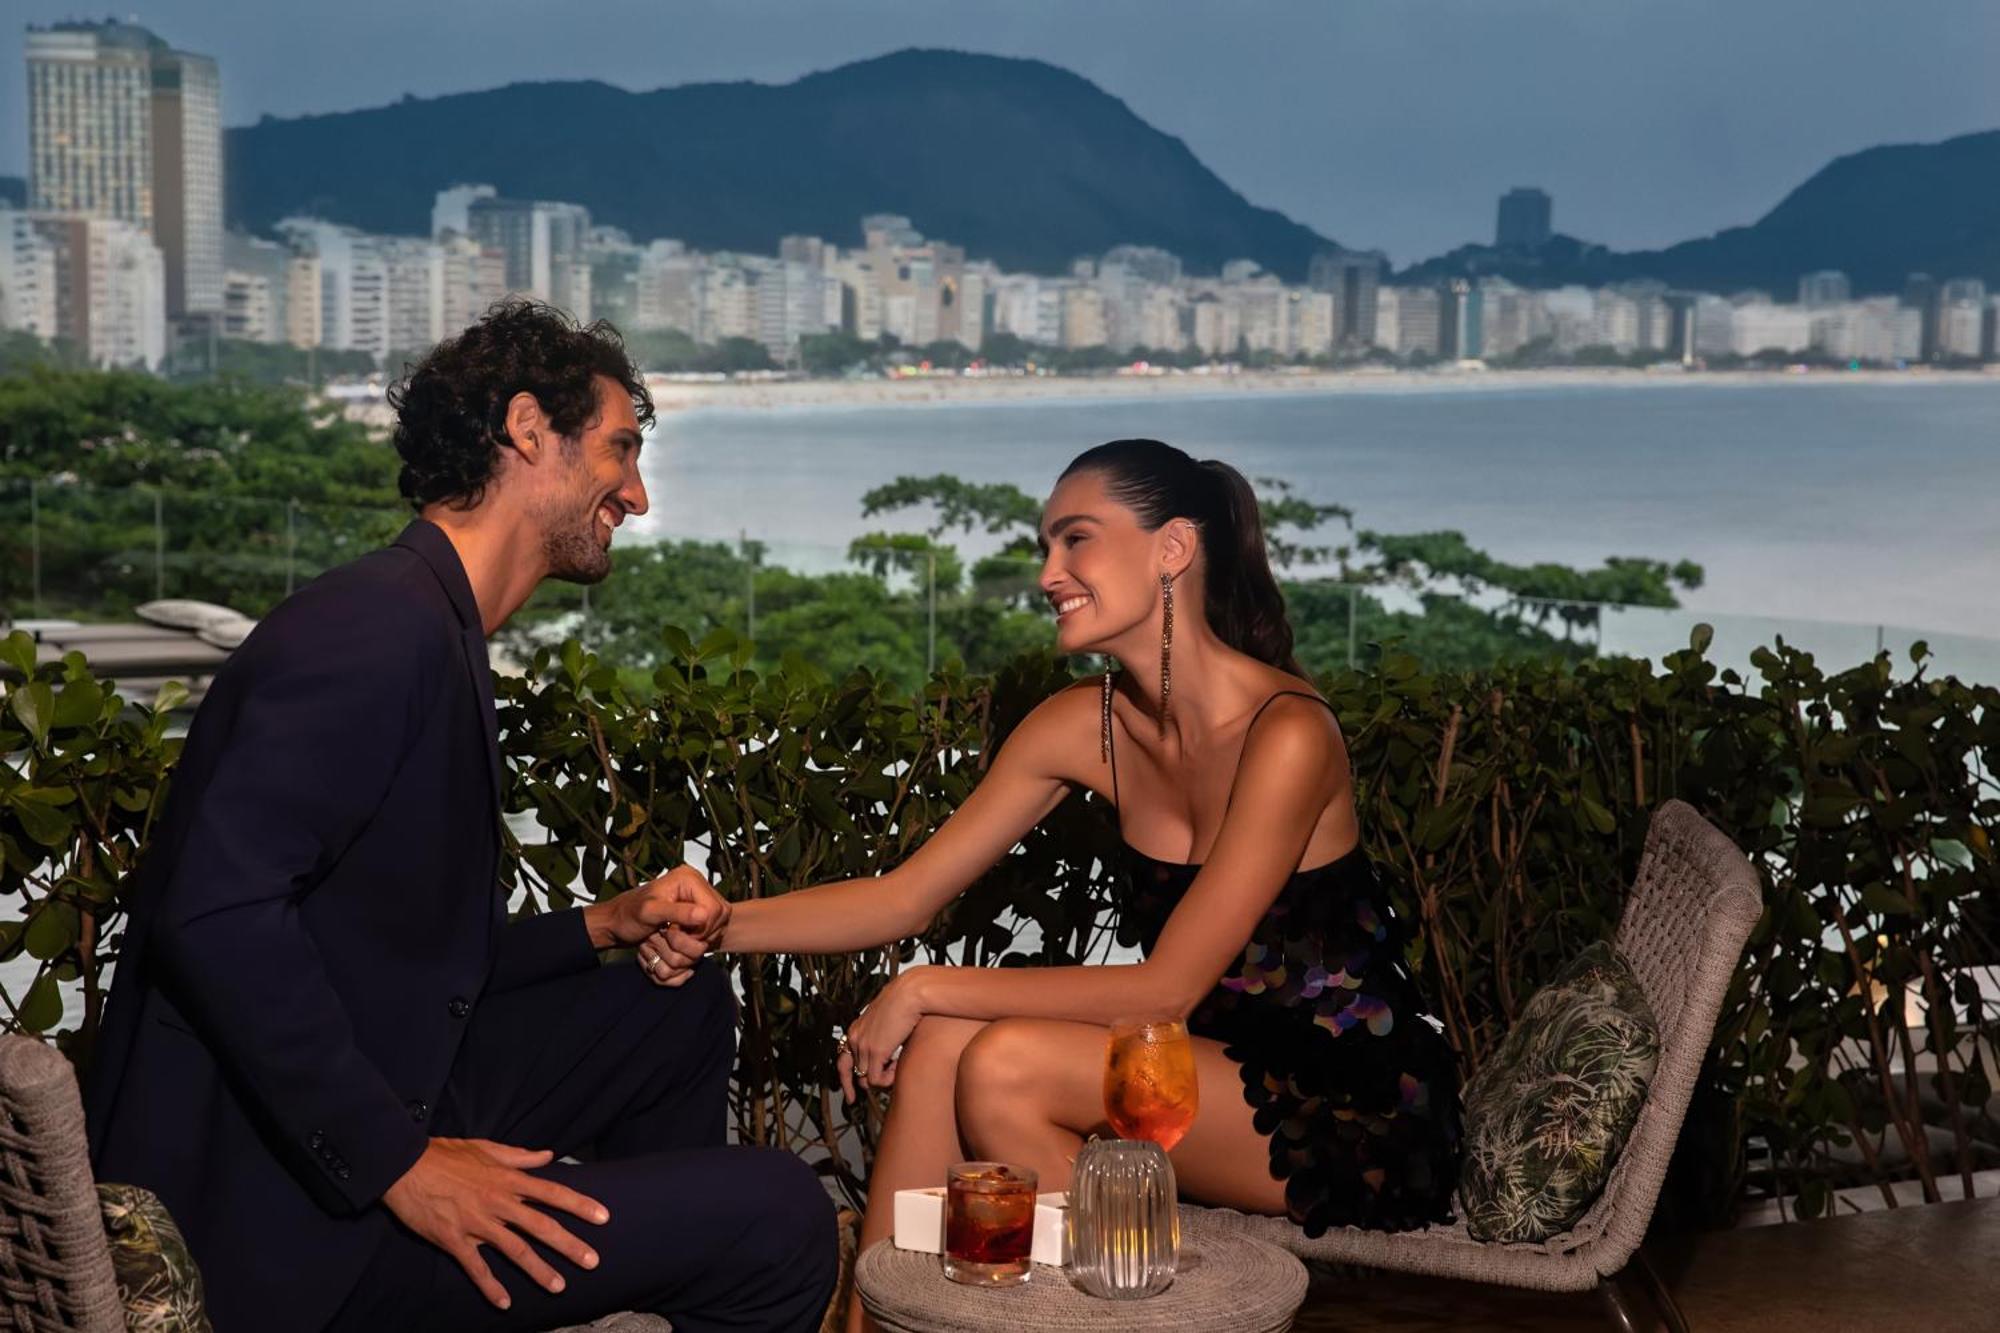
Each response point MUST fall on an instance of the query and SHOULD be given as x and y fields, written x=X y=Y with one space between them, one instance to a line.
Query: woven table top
x=1228 y=1283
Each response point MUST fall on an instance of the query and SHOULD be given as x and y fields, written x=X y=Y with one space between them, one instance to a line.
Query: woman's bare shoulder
x=1061 y=727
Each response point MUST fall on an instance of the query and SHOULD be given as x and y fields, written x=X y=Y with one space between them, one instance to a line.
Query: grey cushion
x=185 y=613
x=1549 y=1111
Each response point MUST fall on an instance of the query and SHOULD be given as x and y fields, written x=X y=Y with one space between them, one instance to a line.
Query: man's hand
x=464 y=1193
x=675 y=919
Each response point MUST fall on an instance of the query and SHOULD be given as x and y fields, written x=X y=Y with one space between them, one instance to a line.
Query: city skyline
x=1424 y=114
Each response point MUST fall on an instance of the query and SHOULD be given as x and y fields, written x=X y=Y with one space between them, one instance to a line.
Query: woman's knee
x=934 y=1047
x=997 y=1066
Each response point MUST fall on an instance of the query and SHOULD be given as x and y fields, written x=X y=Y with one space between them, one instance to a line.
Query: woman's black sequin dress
x=1355 y=1087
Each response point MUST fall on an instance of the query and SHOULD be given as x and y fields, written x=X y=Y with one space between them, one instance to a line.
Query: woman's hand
x=868 y=1052
x=674 y=920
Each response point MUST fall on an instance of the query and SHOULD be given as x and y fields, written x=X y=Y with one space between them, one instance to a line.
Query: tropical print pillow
x=158 y=1282
x=1549 y=1111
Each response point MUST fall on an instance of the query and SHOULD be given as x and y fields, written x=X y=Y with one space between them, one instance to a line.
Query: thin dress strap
x=1283 y=694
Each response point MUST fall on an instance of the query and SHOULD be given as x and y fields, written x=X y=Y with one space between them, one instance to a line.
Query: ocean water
x=1866 y=505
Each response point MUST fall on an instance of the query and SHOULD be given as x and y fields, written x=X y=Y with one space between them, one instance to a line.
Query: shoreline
x=672 y=394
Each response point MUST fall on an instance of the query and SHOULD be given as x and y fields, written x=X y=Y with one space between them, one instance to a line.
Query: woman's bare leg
x=920 y=1137
x=1030 y=1090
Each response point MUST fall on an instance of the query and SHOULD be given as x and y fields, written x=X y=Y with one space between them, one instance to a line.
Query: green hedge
x=1506 y=808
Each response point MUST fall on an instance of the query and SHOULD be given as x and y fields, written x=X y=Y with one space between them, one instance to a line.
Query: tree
x=732 y=356
x=1007 y=349
x=834 y=353
x=663 y=351
x=223 y=490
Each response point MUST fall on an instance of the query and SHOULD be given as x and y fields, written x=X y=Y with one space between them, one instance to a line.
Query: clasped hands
x=675 y=920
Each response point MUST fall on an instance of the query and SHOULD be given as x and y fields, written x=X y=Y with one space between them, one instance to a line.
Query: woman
x=1325 y=1095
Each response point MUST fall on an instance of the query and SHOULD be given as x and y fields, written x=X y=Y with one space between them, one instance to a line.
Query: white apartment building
x=353 y=283
x=1962 y=319
x=1030 y=308
x=1763 y=326
x=255 y=288
x=413 y=273
x=1083 y=321
x=669 y=288
x=792 y=303
x=1571 y=313
x=1511 y=317
x=1407 y=320
x=1880 y=329
x=110 y=288
x=1614 y=321
x=861 y=292
x=27 y=276
x=1311 y=328
x=473 y=279
x=250 y=307
x=1263 y=318
x=1163 y=320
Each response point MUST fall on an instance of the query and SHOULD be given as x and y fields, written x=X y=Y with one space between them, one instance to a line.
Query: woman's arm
x=1027 y=781
x=1294 y=764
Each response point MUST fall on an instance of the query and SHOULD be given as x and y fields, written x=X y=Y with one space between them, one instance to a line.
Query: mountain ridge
x=1017 y=160
x=1878 y=215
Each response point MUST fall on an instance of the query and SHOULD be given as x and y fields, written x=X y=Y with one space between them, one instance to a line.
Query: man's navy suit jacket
x=311 y=926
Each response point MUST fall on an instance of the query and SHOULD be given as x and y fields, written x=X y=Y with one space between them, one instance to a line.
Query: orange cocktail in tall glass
x=1150 y=1089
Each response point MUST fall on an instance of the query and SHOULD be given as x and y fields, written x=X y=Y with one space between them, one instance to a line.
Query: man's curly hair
x=451 y=408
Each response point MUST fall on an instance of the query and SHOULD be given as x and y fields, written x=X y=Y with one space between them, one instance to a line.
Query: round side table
x=1228 y=1283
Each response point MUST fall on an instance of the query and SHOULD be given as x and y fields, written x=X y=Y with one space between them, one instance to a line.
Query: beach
x=678 y=393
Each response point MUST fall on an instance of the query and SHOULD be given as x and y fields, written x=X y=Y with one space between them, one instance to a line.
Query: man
x=327 y=1050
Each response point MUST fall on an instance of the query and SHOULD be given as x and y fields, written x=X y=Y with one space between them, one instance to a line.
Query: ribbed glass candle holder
x=1123 y=1220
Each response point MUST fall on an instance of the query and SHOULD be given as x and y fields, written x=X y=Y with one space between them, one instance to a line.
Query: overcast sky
x=1381 y=123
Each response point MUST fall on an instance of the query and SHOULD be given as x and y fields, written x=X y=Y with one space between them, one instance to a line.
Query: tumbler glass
x=989 y=1224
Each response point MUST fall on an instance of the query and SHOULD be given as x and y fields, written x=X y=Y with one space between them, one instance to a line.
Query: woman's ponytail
x=1246 y=608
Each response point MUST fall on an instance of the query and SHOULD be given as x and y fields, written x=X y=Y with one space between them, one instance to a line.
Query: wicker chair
x=1692 y=907
x=55 y=1264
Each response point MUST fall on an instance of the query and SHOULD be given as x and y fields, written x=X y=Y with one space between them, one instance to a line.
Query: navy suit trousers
x=630 y=1079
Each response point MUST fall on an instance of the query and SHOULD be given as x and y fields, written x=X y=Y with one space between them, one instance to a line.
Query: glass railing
x=71 y=552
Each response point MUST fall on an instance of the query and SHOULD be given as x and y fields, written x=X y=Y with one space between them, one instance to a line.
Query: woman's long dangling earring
x=1166 y=648
x=1104 y=736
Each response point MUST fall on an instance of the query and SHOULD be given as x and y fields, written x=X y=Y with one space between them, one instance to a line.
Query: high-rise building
x=1829 y=286
x=1962 y=319
x=1354 y=277
x=1921 y=293
x=1524 y=219
x=121 y=126
x=545 y=244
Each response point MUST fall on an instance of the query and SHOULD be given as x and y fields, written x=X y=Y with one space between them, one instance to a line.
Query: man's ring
x=844 y=1048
